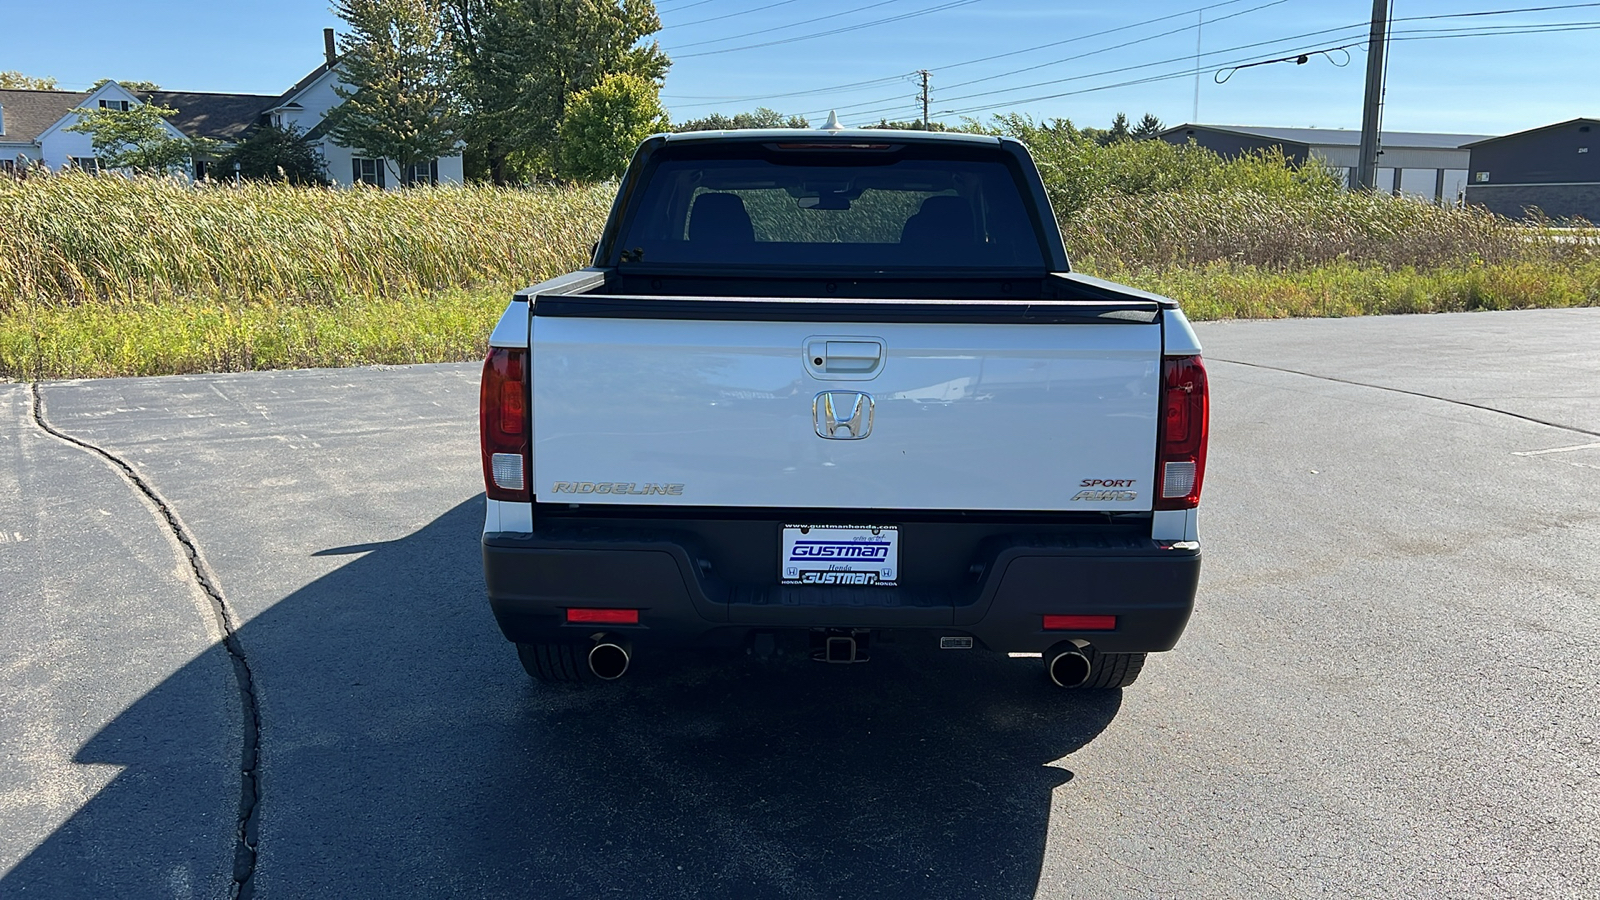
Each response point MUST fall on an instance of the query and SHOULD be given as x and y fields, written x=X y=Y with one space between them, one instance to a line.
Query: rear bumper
x=991 y=582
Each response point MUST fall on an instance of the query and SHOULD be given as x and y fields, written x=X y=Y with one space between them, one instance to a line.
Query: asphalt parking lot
x=1388 y=688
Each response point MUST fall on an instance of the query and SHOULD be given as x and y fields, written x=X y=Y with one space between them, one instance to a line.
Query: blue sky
x=1490 y=84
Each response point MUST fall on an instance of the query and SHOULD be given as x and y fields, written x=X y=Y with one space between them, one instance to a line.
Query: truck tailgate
x=852 y=405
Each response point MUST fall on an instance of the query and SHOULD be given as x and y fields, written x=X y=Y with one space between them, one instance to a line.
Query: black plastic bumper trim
x=1017 y=580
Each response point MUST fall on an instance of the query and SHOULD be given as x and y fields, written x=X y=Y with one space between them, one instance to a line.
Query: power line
x=1137 y=66
x=968 y=62
x=1194 y=71
x=1491 y=30
x=857 y=27
x=894 y=101
x=1549 y=28
x=1225 y=74
x=1189 y=73
x=742 y=12
x=678 y=9
x=1494 y=12
x=1125 y=44
x=1161 y=62
x=856 y=85
x=685 y=6
x=1280 y=40
x=1085 y=37
x=749 y=34
x=908 y=110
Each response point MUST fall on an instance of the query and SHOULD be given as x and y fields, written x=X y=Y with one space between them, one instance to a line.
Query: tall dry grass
x=72 y=239
x=109 y=276
x=1132 y=207
x=1305 y=229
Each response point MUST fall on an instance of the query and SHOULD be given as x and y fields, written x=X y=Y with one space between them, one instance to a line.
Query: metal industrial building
x=1555 y=169
x=1416 y=163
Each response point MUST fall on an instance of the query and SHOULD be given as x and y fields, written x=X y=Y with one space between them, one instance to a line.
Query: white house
x=306 y=105
x=33 y=126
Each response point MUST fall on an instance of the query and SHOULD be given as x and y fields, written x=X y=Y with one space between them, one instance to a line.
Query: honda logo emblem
x=843 y=415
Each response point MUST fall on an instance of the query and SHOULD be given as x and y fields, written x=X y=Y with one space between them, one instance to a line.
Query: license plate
x=840 y=555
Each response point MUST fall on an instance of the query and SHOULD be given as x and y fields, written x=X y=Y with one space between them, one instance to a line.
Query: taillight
x=604 y=616
x=503 y=425
x=1080 y=623
x=1181 y=441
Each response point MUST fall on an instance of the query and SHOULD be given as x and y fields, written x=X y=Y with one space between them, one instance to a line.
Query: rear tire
x=1112 y=670
x=556 y=663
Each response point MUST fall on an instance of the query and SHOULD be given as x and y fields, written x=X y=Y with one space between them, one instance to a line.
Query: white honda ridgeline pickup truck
x=824 y=388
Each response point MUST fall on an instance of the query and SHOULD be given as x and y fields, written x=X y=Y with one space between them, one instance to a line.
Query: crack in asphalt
x=1395 y=390
x=247 y=836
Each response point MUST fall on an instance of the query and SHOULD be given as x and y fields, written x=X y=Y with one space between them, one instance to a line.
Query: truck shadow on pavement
x=405 y=753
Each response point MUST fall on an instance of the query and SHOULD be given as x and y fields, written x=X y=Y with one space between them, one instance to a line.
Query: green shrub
x=1078 y=170
x=602 y=126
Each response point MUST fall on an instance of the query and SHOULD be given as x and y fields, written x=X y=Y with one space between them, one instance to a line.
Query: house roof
x=228 y=117
x=29 y=113
x=1577 y=121
x=224 y=117
x=1341 y=137
x=289 y=99
x=288 y=96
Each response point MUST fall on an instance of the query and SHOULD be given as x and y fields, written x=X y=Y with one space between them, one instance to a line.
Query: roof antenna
x=833 y=122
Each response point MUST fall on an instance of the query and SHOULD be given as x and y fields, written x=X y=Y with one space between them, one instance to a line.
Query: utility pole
x=1372 y=108
x=1199 y=27
x=926 y=125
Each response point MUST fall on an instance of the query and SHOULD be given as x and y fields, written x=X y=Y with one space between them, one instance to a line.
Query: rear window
x=864 y=211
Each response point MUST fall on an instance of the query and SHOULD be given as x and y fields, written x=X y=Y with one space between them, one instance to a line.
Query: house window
x=8 y=166
x=90 y=164
x=367 y=171
x=120 y=105
x=423 y=173
x=201 y=168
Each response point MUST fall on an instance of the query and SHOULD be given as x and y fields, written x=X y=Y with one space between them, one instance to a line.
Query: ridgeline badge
x=1117 y=496
x=630 y=488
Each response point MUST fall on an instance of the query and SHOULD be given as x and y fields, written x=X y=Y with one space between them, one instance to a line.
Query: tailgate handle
x=844 y=357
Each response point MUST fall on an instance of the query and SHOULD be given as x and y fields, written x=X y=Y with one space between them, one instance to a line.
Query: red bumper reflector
x=1080 y=623
x=606 y=616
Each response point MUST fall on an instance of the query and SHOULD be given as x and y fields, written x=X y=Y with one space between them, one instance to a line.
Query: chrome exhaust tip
x=1069 y=667
x=609 y=659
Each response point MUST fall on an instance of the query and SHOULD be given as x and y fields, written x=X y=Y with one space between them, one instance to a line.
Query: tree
x=518 y=62
x=275 y=153
x=16 y=81
x=912 y=125
x=135 y=86
x=1148 y=127
x=400 y=105
x=1119 y=130
x=761 y=118
x=485 y=73
x=604 y=124
x=138 y=138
